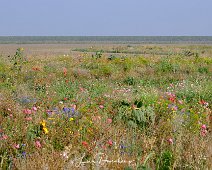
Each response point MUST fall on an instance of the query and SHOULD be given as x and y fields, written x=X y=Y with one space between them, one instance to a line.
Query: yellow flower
x=71 y=119
x=45 y=130
x=43 y=123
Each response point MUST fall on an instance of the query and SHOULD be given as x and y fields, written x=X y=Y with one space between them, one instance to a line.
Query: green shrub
x=203 y=70
x=165 y=65
x=165 y=160
x=141 y=118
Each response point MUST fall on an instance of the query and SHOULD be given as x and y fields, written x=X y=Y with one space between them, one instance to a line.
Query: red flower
x=172 y=99
x=84 y=143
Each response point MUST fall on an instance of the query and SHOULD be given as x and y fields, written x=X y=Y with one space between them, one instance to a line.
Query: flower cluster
x=43 y=127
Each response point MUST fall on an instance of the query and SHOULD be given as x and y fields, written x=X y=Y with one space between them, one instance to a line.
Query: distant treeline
x=105 y=39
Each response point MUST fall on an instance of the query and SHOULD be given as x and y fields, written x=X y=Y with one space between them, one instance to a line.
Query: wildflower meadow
x=129 y=107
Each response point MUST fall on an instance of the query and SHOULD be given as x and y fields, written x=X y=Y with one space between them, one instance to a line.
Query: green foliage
x=165 y=160
x=127 y=64
x=203 y=70
x=141 y=118
x=5 y=160
x=130 y=81
x=143 y=60
x=102 y=71
x=34 y=131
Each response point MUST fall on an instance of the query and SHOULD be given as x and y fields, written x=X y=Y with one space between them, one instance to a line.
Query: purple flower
x=23 y=154
x=73 y=110
x=122 y=146
x=66 y=110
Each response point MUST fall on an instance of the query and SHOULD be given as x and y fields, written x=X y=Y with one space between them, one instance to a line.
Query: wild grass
x=128 y=111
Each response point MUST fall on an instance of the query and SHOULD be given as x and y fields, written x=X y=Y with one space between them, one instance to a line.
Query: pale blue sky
x=106 y=17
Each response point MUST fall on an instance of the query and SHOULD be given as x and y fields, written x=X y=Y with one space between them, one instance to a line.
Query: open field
x=105 y=106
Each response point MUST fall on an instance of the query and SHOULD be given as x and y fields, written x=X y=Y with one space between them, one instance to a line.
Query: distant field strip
x=106 y=39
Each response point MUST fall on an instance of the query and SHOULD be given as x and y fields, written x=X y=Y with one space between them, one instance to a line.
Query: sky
x=105 y=17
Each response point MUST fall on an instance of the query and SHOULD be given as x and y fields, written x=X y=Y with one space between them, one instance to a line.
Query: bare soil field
x=40 y=49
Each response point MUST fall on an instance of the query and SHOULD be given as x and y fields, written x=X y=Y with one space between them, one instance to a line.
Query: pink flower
x=96 y=119
x=34 y=108
x=180 y=101
x=101 y=106
x=203 y=132
x=109 y=121
x=204 y=103
x=174 y=108
x=204 y=127
x=104 y=147
x=27 y=111
x=133 y=107
x=49 y=112
x=28 y=118
x=64 y=71
x=16 y=146
x=38 y=144
x=4 y=137
x=170 y=141
x=110 y=142
x=74 y=107
x=82 y=89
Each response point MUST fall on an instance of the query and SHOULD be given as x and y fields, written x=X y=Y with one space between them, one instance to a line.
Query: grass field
x=105 y=106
